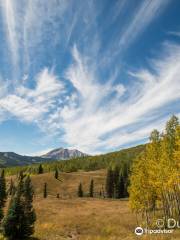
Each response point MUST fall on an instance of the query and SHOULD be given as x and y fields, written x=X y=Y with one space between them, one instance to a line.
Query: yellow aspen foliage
x=155 y=174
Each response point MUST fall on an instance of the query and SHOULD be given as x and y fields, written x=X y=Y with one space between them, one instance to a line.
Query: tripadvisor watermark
x=171 y=223
x=140 y=231
x=162 y=227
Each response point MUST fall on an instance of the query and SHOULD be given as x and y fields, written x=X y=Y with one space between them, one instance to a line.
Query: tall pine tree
x=110 y=183
x=1 y=213
x=11 y=189
x=80 y=190
x=12 y=223
x=116 y=181
x=40 y=169
x=45 y=190
x=121 y=188
x=3 y=194
x=20 y=218
x=91 y=188
x=56 y=174
x=29 y=211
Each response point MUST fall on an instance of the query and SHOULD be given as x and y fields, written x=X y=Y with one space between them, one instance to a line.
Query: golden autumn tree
x=155 y=178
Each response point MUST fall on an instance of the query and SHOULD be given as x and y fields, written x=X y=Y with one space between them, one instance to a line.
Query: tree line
x=88 y=163
x=91 y=193
x=116 y=185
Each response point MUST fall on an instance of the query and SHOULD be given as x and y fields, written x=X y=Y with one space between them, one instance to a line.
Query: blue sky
x=93 y=75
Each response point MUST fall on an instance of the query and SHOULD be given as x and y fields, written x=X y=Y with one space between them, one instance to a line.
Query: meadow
x=70 y=217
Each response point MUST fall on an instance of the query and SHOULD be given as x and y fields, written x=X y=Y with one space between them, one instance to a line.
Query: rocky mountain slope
x=64 y=154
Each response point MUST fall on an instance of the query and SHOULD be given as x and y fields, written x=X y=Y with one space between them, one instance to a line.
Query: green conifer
x=56 y=175
x=11 y=188
x=45 y=190
x=91 y=188
x=13 y=223
x=40 y=169
x=116 y=182
x=80 y=190
x=109 y=184
x=29 y=211
x=121 y=189
x=3 y=194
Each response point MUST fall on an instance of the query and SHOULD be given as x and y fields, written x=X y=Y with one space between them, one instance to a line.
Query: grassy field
x=73 y=218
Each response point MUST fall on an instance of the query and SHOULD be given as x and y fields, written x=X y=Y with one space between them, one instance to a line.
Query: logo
x=139 y=231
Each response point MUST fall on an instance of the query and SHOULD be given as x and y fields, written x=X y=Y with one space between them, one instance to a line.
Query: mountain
x=75 y=158
x=64 y=154
x=14 y=159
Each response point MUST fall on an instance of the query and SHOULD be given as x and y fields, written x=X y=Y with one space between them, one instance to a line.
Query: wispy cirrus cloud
x=135 y=24
x=93 y=121
x=85 y=101
x=146 y=12
x=25 y=25
x=32 y=104
x=96 y=116
x=155 y=91
x=9 y=18
x=174 y=33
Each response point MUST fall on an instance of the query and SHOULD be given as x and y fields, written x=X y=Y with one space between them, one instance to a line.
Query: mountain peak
x=63 y=153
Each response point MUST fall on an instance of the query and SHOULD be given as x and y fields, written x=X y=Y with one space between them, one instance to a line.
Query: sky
x=97 y=76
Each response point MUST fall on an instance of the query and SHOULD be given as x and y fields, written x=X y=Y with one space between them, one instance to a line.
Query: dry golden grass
x=87 y=219
x=67 y=184
x=83 y=219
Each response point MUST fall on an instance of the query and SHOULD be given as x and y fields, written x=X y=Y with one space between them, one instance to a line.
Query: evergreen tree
x=56 y=175
x=30 y=216
x=91 y=188
x=110 y=183
x=40 y=169
x=11 y=190
x=116 y=182
x=126 y=186
x=3 y=194
x=1 y=213
x=80 y=190
x=18 y=223
x=12 y=223
x=125 y=175
x=100 y=193
x=45 y=190
x=121 y=188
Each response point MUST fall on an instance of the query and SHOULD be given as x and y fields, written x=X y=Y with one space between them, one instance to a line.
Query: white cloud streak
x=142 y=17
x=9 y=18
x=92 y=125
x=25 y=24
x=96 y=113
x=32 y=104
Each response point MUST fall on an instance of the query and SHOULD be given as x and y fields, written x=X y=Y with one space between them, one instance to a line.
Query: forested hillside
x=8 y=159
x=121 y=158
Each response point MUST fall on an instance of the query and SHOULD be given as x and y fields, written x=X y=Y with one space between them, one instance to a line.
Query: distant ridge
x=64 y=154
x=8 y=159
x=13 y=159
